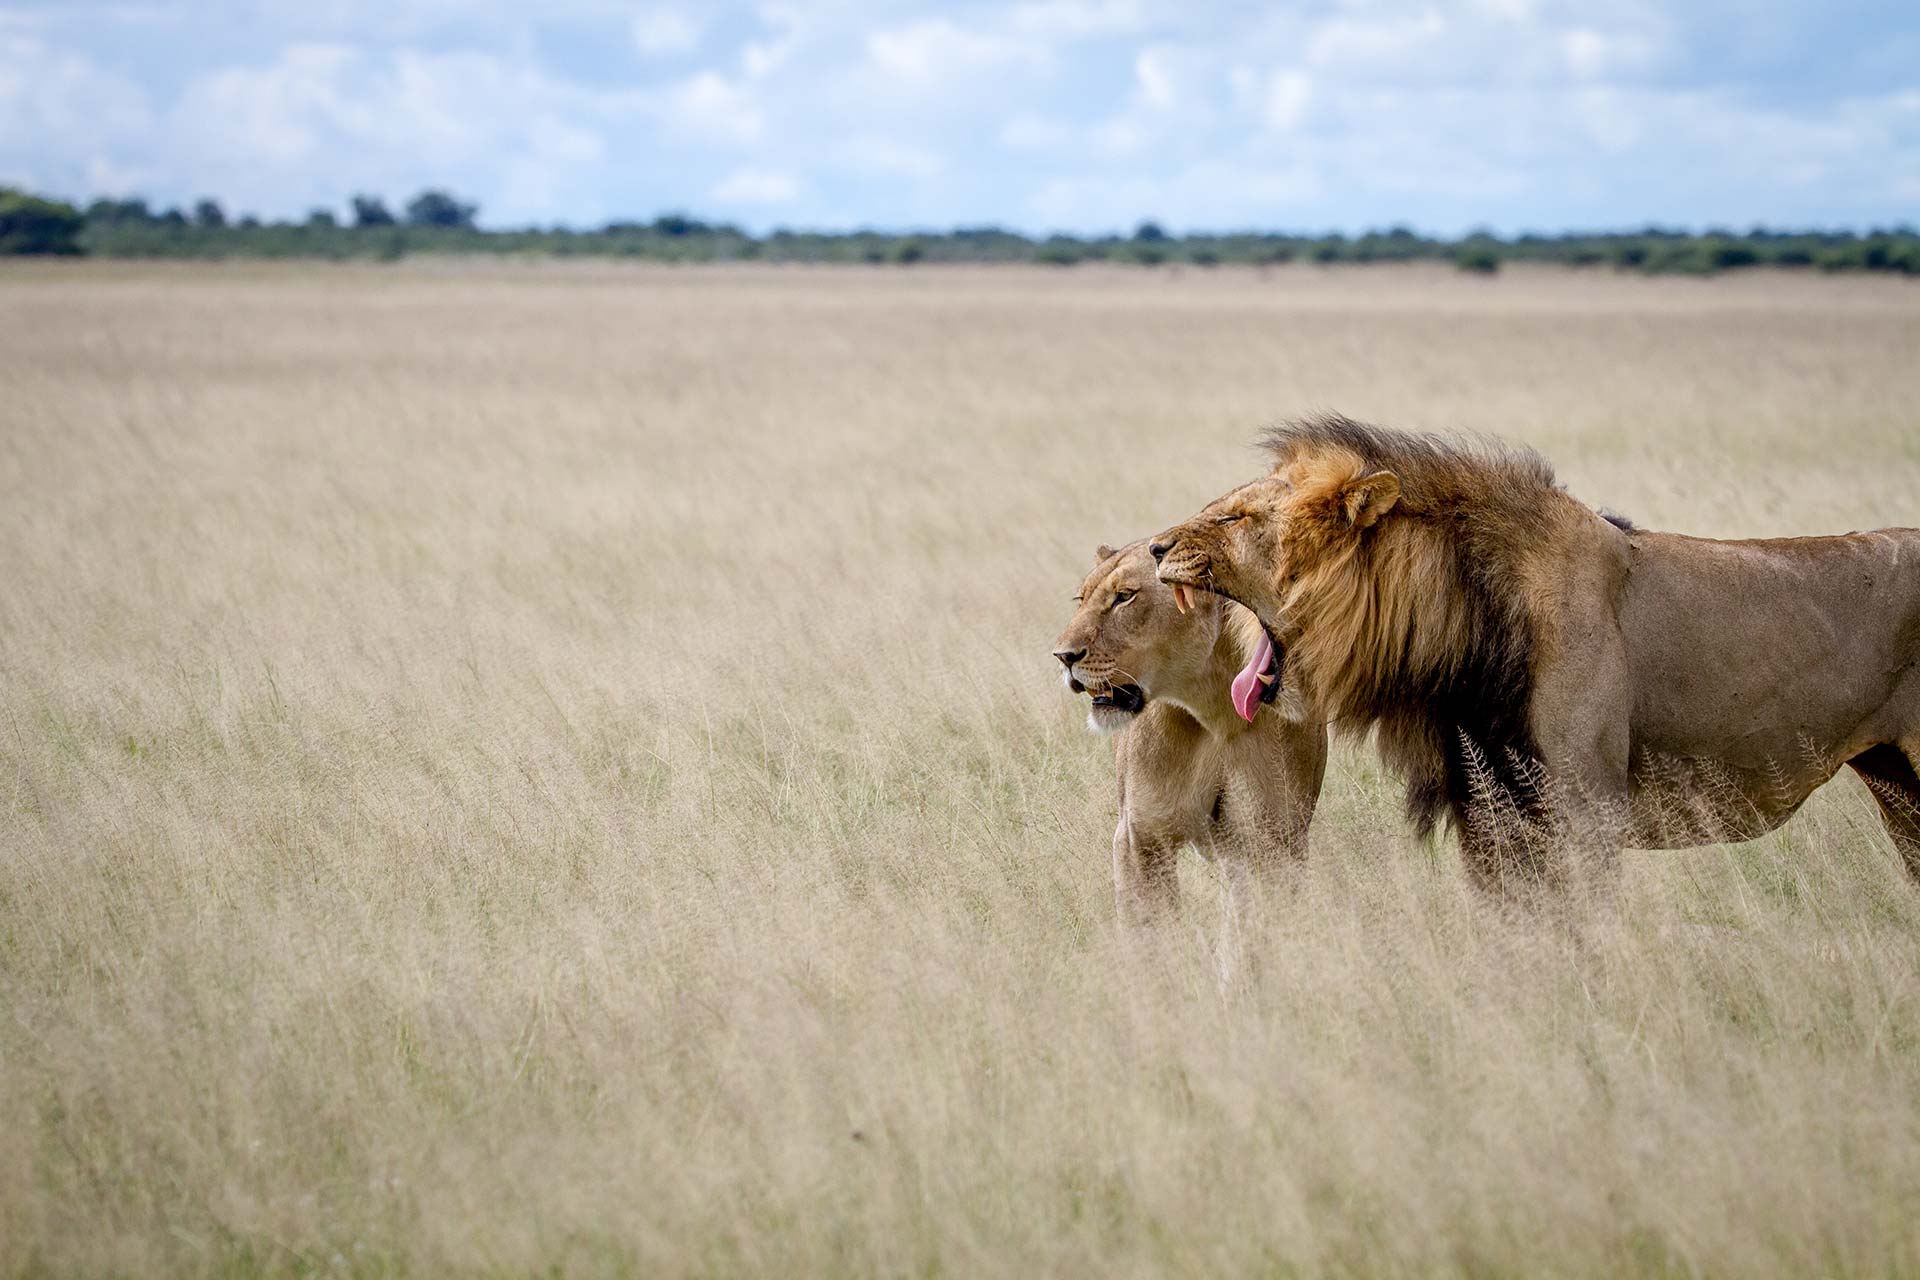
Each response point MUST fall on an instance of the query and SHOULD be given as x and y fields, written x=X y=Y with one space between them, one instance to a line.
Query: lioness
x=1204 y=757
x=1508 y=643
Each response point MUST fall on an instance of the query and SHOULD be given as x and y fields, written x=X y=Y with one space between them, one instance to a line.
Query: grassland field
x=557 y=769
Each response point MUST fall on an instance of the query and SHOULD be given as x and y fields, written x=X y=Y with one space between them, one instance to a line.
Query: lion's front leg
x=1582 y=710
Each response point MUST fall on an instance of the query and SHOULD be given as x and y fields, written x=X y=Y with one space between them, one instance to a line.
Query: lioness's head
x=1131 y=640
x=1256 y=542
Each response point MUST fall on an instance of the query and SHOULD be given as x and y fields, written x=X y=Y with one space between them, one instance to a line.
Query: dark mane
x=1449 y=702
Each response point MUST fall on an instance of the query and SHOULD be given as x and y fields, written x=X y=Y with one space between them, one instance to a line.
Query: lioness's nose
x=1158 y=550
x=1069 y=656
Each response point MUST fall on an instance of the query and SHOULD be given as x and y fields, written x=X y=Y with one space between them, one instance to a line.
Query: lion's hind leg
x=1889 y=773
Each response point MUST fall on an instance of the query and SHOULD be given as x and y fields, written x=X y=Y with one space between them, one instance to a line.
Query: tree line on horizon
x=437 y=221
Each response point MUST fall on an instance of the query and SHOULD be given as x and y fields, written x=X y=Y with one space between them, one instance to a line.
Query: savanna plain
x=558 y=769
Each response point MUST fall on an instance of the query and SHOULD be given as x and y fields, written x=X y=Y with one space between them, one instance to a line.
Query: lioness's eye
x=1121 y=597
x=1229 y=519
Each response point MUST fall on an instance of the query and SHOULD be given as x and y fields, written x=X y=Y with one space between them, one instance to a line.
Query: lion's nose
x=1069 y=656
x=1158 y=550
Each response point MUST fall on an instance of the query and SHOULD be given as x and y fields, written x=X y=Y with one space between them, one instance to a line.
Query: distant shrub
x=1204 y=258
x=433 y=208
x=1058 y=253
x=1478 y=259
x=908 y=251
x=31 y=225
x=1682 y=258
x=1148 y=255
x=1629 y=254
x=370 y=211
x=115 y=212
x=1722 y=253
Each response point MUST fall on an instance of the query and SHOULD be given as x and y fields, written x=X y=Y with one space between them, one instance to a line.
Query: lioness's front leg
x=1259 y=839
x=1146 y=881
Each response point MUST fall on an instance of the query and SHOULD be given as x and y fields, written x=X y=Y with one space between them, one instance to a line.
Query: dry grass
x=512 y=770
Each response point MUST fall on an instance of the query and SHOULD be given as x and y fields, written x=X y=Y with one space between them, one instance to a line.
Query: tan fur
x=1635 y=688
x=1190 y=770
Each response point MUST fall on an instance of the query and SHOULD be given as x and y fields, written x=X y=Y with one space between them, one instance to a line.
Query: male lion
x=1202 y=756
x=1512 y=647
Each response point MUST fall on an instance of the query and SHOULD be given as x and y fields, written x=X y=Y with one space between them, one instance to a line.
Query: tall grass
x=513 y=770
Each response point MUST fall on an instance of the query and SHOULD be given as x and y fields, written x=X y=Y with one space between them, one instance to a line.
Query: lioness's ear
x=1370 y=497
x=1105 y=552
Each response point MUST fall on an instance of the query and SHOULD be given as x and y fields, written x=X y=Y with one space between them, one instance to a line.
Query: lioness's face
x=1254 y=542
x=1126 y=631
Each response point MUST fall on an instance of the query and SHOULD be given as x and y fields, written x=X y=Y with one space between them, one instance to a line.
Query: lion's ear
x=1105 y=553
x=1370 y=497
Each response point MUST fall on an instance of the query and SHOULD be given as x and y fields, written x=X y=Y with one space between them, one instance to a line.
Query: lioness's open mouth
x=1122 y=697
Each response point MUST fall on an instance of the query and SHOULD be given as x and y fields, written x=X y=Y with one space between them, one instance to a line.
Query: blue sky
x=1080 y=115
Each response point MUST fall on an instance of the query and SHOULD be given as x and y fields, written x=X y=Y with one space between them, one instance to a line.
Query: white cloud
x=787 y=30
x=1153 y=77
x=1076 y=19
x=872 y=154
x=1591 y=54
x=1609 y=119
x=1586 y=51
x=1375 y=45
x=762 y=59
x=710 y=106
x=1277 y=99
x=323 y=120
x=756 y=187
x=935 y=49
x=660 y=32
x=70 y=125
x=1288 y=93
x=1028 y=132
x=1172 y=104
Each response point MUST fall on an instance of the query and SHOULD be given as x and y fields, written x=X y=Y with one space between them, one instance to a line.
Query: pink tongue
x=1246 y=686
